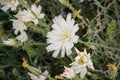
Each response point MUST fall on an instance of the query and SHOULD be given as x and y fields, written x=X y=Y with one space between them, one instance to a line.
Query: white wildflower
x=68 y=73
x=9 y=42
x=40 y=77
x=18 y=24
x=20 y=15
x=9 y=4
x=22 y=37
x=82 y=61
x=36 y=74
x=62 y=37
x=29 y=16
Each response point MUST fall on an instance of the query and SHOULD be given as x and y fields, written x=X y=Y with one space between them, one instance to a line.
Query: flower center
x=11 y=1
x=66 y=36
x=82 y=60
x=33 y=17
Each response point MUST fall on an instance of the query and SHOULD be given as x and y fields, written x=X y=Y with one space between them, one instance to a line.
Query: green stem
x=118 y=65
x=99 y=45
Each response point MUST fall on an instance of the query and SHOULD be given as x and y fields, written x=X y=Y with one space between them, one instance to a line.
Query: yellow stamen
x=82 y=60
x=66 y=36
x=113 y=67
x=77 y=14
x=25 y=63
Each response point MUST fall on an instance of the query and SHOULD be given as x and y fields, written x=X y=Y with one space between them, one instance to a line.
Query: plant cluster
x=59 y=39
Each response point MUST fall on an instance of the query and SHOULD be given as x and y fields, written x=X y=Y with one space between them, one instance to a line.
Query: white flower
x=29 y=16
x=81 y=62
x=40 y=77
x=62 y=37
x=68 y=73
x=20 y=15
x=9 y=4
x=18 y=24
x=9 y=42
x=22 y=37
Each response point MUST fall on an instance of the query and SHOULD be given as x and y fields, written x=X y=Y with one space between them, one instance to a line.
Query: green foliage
x=99 y=33
x=111 y=28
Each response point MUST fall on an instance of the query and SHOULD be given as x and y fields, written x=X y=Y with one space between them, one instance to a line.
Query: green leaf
x=111 y=29
x=15 y=72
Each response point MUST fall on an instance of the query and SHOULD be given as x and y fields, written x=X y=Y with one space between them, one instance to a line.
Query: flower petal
x=83 y=72
x=56 y=53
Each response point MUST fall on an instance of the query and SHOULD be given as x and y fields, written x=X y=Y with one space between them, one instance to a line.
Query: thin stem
x=99 y=45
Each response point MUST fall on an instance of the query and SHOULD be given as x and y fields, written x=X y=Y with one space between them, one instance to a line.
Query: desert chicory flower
x=9 y=4
x=9 y=42
x=68 y=73
x=19 y=23
x=19 y=26
x=33 y=16
x=82 y=61
x=35 y=74
x=62 y=37
x=22 y=37
x=39 y=77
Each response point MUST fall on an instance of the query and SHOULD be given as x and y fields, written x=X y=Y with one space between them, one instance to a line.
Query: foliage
x=99 y=33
